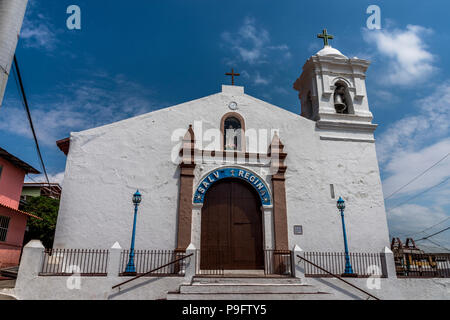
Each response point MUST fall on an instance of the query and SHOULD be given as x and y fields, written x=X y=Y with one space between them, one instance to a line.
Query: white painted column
x=196 y=226
x=30 y=266
x=190 y=263
x=298 y=265
x=113 y=268
x=268 y=227
x=389 y=263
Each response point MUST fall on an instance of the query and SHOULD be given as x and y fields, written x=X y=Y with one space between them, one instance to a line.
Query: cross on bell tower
x=232 y=74
x=325 y=36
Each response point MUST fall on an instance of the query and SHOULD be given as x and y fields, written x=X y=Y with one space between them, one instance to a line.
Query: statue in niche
x=230 y=138
x=340 y=101
x=232 y=134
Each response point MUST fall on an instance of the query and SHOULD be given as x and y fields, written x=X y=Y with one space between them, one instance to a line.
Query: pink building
x=12 y=220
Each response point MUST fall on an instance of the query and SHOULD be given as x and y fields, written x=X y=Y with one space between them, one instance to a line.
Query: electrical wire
x=27 y=109
x=413 y=234
x=432 y=235
x=418 y=176
x=419 y=194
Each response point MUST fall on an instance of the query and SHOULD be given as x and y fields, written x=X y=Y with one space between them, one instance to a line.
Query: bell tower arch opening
x=342 y=100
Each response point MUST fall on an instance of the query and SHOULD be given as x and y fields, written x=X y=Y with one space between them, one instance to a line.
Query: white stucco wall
x=106 y=165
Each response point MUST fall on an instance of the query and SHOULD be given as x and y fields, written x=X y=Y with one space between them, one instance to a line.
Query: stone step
x=245 y=280
x=240 y=288
x=249 y=296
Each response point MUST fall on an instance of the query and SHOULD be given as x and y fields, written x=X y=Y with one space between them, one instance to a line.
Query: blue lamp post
x=348 y=267
x=131 y=269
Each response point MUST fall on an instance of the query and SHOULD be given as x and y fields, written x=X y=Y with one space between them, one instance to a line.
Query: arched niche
x=341 y=95
x=237 y=130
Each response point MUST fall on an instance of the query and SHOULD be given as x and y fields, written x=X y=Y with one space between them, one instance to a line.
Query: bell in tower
x=333 y=85
x=339 y=100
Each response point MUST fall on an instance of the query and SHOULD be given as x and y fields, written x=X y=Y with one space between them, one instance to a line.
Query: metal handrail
x=144 y=274
x=338 y=277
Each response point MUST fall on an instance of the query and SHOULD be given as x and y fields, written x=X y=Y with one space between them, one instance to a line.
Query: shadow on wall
x=122 y=292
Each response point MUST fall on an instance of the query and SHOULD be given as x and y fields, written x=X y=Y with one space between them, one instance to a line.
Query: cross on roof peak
x=325 y=36
x=232 y=74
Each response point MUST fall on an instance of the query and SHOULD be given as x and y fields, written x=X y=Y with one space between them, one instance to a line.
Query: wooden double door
x=231 y=227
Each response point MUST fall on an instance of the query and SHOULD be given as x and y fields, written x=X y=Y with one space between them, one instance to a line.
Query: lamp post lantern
x=131 y=269
x=348 y=267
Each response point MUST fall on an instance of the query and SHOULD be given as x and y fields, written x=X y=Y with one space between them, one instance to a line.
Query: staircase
x=9 y=273
x=246 y=288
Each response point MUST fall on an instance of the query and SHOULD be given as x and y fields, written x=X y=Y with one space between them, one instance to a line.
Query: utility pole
x=12 y=13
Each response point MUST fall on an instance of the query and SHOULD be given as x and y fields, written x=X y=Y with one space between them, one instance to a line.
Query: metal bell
x=339 y=100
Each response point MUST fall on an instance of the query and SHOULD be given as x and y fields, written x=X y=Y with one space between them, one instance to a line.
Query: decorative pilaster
x=187 y=167
x=278 y=169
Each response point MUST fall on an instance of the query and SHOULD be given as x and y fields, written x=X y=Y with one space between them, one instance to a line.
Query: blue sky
x=132 y=57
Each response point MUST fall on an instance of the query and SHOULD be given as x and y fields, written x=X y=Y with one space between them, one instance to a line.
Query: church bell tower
x=332 y=92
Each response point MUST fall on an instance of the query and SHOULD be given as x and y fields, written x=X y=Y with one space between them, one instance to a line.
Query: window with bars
x=4 y=224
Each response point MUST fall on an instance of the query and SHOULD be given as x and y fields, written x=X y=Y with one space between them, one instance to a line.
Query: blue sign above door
x=238 y=173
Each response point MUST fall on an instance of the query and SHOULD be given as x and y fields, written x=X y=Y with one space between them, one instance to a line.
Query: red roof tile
x=19 y=211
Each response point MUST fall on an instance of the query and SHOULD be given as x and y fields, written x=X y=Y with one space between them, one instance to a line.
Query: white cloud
x=82 y=105
x=406 y=149
x=430 y=123
x=407 y=165
x=258 y=79
x=252 y=44
x=409 y=61
x=411 y=219
x=53 y=178
x=38 y=36
x=37 y=30
x=385 y=98
x=280 y=90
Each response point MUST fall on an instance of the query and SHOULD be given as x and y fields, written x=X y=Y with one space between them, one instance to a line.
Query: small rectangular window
x=332 y=191
x=298 y=229
x=1 y=168
x=4 y=224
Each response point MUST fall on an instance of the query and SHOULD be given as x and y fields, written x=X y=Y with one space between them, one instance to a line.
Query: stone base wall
x=31 y=286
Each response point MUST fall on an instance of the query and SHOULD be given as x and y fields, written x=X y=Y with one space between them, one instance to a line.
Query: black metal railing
x=146 y=260
x=210 y=262
x=272 y=262
x=331 y=274
x=179 y=261
x=363 y=264
x=278 y=262
x=422 y=265
x=66 y=262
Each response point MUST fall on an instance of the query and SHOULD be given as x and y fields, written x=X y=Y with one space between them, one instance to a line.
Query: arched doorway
x=231 y=227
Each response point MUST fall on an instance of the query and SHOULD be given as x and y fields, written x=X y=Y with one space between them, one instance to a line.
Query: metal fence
x=66 y=262
x=277 y=262
x=425 y=265
x=210 y=262
x=147 y=260
x=363 y=264
x=215 y=262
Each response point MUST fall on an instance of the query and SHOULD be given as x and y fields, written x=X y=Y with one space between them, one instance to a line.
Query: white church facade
x=320 y=155
x=232 y=181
